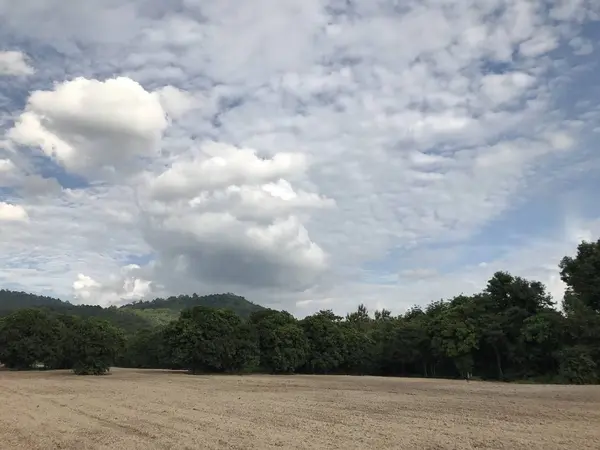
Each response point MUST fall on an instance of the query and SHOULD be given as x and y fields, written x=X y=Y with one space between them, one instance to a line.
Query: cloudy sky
x=306 y=154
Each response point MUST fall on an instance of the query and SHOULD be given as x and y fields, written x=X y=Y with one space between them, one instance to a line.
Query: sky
x=306 y=154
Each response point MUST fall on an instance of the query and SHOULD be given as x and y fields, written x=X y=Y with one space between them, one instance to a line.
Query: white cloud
x=83 y=284
x=116 y=290
x=91 y=125
x=12 y=213
x=543 y=42
x=228 y=217
x=218 y=165
x=14 y=63
x=285 y=166
x=6 y=166
x=175 y=101
x=503 y=88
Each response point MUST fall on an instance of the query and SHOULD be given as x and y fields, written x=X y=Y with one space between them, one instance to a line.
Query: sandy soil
x=132 y=409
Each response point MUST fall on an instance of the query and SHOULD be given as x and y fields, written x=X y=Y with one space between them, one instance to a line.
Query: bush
x=577 y=366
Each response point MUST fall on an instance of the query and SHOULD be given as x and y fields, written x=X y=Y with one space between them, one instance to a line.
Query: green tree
x=282 y=343
x=29 y=337
x=326 y=342
x=358 y=349
x=96 y=344
x=582 y=274
x=458 y=333
x=577 y=365
x=146 y=349
x=543 y=335
x=503 y=309
x=212 y=340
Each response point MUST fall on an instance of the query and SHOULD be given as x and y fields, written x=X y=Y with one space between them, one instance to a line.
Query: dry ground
x=148 y=409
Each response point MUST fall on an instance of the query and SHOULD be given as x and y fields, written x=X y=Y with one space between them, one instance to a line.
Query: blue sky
x=307 y=154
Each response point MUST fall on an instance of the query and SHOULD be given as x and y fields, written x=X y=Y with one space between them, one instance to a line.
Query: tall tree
x=208 y=339
x=29 y=337
x=282 y=342
x=582 y=274
x=326 y=342
x=458 y=333
x=96 y=344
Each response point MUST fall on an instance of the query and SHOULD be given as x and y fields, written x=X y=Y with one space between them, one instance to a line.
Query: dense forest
x=510 y=331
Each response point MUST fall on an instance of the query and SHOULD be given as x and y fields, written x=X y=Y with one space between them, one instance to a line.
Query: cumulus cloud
x=12 y=213
x=227 y=217
x=14 y=63
x=120 y=289
x=218 y=165
x=90 y=125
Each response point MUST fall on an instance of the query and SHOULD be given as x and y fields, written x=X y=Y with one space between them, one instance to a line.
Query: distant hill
x=131 y=317
x=127 y=320
x=163 y=309
x=11 y=300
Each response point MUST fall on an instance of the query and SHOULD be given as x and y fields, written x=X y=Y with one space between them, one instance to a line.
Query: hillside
x=127 y=320
x=168 y=309
x=11 y=300
x=131 y=317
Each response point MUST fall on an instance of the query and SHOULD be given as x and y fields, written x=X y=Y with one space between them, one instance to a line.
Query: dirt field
x=159 y=410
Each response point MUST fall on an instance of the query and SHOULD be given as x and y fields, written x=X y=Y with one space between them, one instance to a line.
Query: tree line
x=130 y=317
x=510 y=331
x=33 y=338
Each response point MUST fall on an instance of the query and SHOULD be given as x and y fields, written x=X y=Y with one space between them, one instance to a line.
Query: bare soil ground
x=148 y=409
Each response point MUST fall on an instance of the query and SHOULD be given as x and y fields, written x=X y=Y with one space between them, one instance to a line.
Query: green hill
x=131 y=317
x=11 y=300
x=127 y=320
x=170 y=307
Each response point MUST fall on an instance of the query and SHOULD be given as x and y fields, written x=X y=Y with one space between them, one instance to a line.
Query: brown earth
x=146 y=409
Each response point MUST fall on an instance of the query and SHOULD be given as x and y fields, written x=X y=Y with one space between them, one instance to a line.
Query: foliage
x=235 y=303
x=158 y=317
x=29 y=337
x=282 y=343
x=130 y=318
x=577 y=366
x=215 y=340
x=13 y=300
x=510 y=331
x=95 y=346
x=325 y=342
x=127 y=320
x=582 y=274
x=146 y=349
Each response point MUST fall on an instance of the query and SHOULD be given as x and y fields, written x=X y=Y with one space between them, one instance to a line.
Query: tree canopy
x=31 y=338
